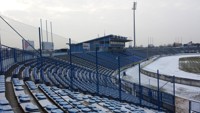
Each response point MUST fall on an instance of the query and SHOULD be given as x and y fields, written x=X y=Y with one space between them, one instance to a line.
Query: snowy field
x=169 y=65
x=166 y=65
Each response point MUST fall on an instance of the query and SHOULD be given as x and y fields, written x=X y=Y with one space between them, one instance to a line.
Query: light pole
x=134 y=8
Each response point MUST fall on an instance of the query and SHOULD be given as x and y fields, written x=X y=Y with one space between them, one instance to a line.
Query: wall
x=168 y=78
x=182 y=105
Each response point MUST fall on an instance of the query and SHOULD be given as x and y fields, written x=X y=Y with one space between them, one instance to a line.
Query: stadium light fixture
x=134 y=34
x=134 y=5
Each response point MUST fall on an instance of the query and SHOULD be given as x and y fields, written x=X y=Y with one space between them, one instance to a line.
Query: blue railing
x=108 y=59
x=86 y=80
x=10 y=56
x=108 y=85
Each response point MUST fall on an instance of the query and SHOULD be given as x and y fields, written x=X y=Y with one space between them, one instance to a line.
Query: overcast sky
x=165 y=21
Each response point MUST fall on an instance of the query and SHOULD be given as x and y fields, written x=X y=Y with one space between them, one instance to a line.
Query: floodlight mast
x=41 y=32
x=134 y=8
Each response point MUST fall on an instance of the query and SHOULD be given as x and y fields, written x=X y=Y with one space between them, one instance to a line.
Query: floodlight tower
x=134 y=8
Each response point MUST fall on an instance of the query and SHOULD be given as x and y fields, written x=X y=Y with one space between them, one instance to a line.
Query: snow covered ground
x=169 y=65
x=166 y=65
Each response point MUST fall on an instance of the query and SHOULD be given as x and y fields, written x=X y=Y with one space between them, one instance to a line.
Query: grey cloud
x=164 y=20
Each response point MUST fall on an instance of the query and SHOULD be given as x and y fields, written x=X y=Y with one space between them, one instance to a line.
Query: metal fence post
x=118 y=58
x=89 y=74
x=140 y=89
x=97 y=73
x=158 y=88
x=15 y=55
x=41 y=62
x=134 y=92
x=189 y=107
x=1 y=60
x=71 y=66
x=174 y=95
x=23 y=55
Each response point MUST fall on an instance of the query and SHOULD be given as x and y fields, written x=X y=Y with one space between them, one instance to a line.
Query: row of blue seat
x=152 y=51
x=25 y=73
x=60 y=102
x=16 y=70
x=76 y=100
x=55 y=69
x=84 y=80
x=108 y=59
x=4 y=104
x=2 y=84
x=91 y=87
x=41 y=99
x=24 y=100
x=83 y=63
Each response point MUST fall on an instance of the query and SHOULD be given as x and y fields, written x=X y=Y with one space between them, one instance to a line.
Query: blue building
x=106 y=43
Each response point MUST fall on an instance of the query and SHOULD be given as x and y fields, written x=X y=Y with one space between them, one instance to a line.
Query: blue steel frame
x=71 y=66
x=41 y=59
x=140 y=88
x=146 y=95
x=120 y=97
x=1 y=61
x=97 y=72
x=10 y=56
x=158 y=88
x=155 y=96
x=174 y=102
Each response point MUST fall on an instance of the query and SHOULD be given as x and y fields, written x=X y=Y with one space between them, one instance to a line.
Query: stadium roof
x=118 y=38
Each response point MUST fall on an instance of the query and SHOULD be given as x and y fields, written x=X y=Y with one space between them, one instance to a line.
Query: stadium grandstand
x=86 y=77
x=105 y=43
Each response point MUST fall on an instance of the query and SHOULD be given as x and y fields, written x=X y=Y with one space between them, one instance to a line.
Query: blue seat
x=39 y=94
x=31 y=108
x=4 y=102
x=57 y=111
x=51 y=107
x=62 y=103
x=67 y=107
x=17 y=82
x=72 y=110
x=80 y=106
x=23 y=96
x=59 y=100
x=42 y=97
x=19 y=88
x=31 y=85
x=76 y=103
x=5 y=108
x=86 y=110
x=24 y=99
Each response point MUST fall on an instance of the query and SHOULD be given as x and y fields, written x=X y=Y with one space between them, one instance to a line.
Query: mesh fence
x=12 y=32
